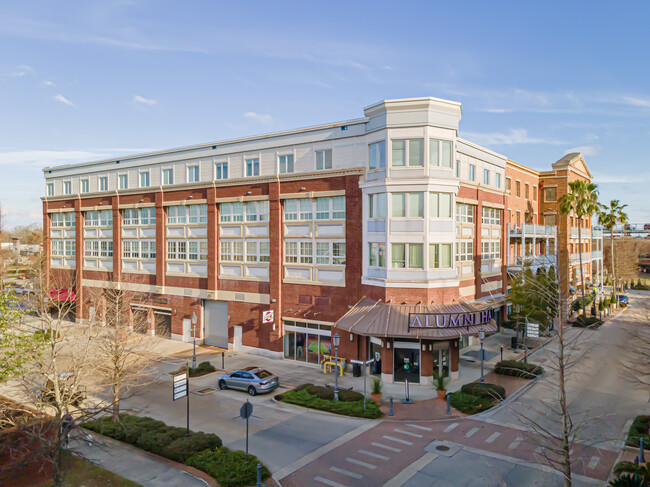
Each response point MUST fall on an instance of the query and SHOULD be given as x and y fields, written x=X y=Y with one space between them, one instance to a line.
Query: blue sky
x=86 y=80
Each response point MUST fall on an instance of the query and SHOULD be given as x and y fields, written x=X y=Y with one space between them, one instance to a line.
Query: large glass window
x=464 y=213
x=411 y=204
x=103 y=183
x=221 y=170
x=440 y=153
x=124 y=181
x=407 y=255
x=416 y=205
x=252 y=167
x=168 y=176
x=440 y=205
x=85 y=186
x=377 y=205
x=377 y=155
x=286 y=163
x=409 y=151
x=399 y=204
x=193 y=174
x=323 y=159
x=464 y=251
x=377 y=254
x=439 y=256
x=550 y=194
x=144 y=179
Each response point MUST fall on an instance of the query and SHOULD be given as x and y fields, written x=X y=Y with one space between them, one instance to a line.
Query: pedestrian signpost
x=181 y=389
x=532 y=329
x=246 y=412
x=364 y=364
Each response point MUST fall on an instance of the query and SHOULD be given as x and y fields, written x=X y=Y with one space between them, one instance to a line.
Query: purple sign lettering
x=422 y=320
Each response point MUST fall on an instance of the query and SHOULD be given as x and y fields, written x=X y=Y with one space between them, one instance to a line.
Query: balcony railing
x=532 y=230
x=535 y=262
x=586 y=258
x=596 y=234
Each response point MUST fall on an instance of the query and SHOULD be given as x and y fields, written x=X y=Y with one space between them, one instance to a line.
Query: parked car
x=252 y=379
x=622 y=298
x=76 y=397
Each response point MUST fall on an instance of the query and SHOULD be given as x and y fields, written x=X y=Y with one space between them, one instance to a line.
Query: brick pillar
x=129 y=317
x=161 y=241
x=426 y=363
x=47 y=248
x=213 y=240
x=79 y=260
x=454 y=354
x=275 y=266
x=353 y=239
x=151 y=323
x=387 y=361
x=117 y=239
x=478 y=239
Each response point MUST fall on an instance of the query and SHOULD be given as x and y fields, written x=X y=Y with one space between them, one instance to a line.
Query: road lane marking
x=386 y=447
x=404 y=432
x=392 y=438
x=331 y=483
x=360 y=463
x=593 y=462
x=346 y=472
x=371 y=454
x=492 y=437
x=472 y=432
x=515 y=443
x=450 y=427
x=421 y=427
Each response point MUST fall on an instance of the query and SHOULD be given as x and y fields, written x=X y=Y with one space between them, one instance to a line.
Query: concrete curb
x=507 y=400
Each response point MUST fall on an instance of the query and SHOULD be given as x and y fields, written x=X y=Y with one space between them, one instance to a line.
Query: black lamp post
x=194 y=339
x=481 y=337
x=336 y=340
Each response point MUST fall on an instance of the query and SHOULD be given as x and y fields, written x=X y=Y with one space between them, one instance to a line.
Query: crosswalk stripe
x=492 y=437
x=386 y=447
x=515 y=443
x=331 y=483
x=404 y=432
x=593 y=462
x=346 y=472
x=472 y=432
x=360 y=463
x=371 y=454
x=416 y=426
x=403 y=442
x=450 y=427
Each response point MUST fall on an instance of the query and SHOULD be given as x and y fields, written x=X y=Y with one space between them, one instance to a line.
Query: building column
x=387 y=360
x=161 y=243
x=213 y=242
x=117 y=239
x=454 y=359
x=151 y=322
x=79 y=261
x=426 y=363
x=276 y=249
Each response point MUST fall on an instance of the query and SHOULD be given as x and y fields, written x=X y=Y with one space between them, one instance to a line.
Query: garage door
x=216 y=323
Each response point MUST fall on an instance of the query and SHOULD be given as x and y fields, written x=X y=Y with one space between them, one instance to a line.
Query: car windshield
x=263 y=374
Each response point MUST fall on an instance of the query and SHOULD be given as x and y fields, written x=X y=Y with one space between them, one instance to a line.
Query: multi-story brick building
x=374 y=228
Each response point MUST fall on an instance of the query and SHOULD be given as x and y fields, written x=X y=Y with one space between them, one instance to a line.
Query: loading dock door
x=163 y=323
x=216 y=323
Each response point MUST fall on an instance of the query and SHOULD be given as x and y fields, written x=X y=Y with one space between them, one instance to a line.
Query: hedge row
x=327 y=393
x=202 y=369
x=518 y=369
x=301 y=397
x=200 y=450
x=484 y=390
x=469 y=403
x=591 y=322
x=640 y=428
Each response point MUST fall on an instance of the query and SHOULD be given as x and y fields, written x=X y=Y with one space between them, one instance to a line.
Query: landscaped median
x=203 y=451
x=350 y=403
x=518 y=369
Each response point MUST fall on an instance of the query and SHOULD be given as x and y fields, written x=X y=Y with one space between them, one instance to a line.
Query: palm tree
x=611 y=216
x=582 y=200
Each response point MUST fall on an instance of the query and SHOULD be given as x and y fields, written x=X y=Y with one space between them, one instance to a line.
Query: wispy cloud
x=636 y=102
x=515 y=136
x=600 y=178
x=587 y=150
x=15 y=71
x=259 y=117
x=48 y=83
x=63 y=99
x=144 y=101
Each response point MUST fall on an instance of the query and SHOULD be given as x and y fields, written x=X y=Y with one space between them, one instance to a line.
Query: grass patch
x=301 y=396
x=229 y=467
x=82 y=473
x=639 y=428
x=469 y=403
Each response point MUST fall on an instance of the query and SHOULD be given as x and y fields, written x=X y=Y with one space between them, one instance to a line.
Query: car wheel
x=222 y=385
x=252 y=391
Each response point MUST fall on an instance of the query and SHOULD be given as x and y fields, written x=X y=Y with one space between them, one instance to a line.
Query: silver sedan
x=252 y=379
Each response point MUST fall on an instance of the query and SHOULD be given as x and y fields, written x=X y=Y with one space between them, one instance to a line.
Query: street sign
x=532 y=330
x=179 y=386
x=246 y=410
x=267 y=316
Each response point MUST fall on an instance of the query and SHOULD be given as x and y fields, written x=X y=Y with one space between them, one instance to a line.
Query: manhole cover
x=442 y=448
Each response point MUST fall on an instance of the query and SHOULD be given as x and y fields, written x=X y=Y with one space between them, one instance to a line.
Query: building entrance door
x=407 y=365
x=216 y=323
x=441 y=362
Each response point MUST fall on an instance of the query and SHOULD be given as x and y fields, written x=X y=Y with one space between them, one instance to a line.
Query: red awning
x=63 y=295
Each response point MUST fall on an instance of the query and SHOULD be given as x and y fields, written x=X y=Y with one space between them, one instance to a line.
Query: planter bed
x=322 y=398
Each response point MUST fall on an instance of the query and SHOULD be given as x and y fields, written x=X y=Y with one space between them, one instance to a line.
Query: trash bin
x=513 y=343
x=356 y=370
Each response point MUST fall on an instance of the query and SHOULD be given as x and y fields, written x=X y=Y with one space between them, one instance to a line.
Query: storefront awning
x=379 y=319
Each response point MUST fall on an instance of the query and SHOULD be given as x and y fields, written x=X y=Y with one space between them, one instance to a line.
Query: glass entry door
x=441 y=362
x=407 y=365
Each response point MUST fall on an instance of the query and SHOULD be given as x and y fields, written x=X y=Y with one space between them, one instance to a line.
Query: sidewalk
x=138 y=465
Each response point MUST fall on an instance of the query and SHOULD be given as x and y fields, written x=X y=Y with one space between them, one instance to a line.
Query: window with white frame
x=408 y=152
x=144 y=179
x=67 y=187
x=407 y=204
x=291 y=252
x=231 y=212
x=193 y=174
x=440 y=205
x=70 y=248
x=123 y=181
x=231 y=251
x=103 y=183
x=258 y=251
x=331 y=208
x=50 y=189
x=377 y=205
x=192 y=250
x=323 y=159
x=464 y=251
x=550 y=194
x=252 y=167
x=490 y=250
x=497 y=180
x=58 y=248
x=91 y=219
x=176 y=215
x=464 y=213
x=147 y=216
x=330 y=253
x=256 y=211
x=197 y=214
x=486 y=177
x=306 y=252
x=168 y=176
x=85 y=186
x=377 y=254
x=286 y=163
x=91 y=248
x=407 y=255
x=63 y=219
x=106 y=248
x=472 y=172
x=440 y=154
x=221 y=170
x=491 y=216
x=130 y=217
x=439 y=256
x=377 y=155
x=103 y=218
x=148 y=249
x=130 y=249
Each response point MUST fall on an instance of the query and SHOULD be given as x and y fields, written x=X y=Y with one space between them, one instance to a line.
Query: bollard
x=223 y=360
x=641 y=453
x=501 y=353
x=259 y=475
x=636 y=461
x=448 y=403
x=407 y=399
x=390 y=408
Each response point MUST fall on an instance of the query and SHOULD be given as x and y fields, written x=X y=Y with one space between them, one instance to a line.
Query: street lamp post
x=194 y=339
x=481 y=337
x=336 y=339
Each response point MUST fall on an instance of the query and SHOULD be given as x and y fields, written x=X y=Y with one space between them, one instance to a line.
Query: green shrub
x=470 y=404
x=577 y=304
x=305 y=399
x=376 y=385
x=518 y=369
x=321 y=392
x=622 y=467
x=629 y=480
x=591 y=322
x=639 y=428
x=181 y=449
x=484 y=390
x=303 y=386
x=157 y=440
x=350 y=396
x=46 y=335
x=229 y=468
x=623 y=305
